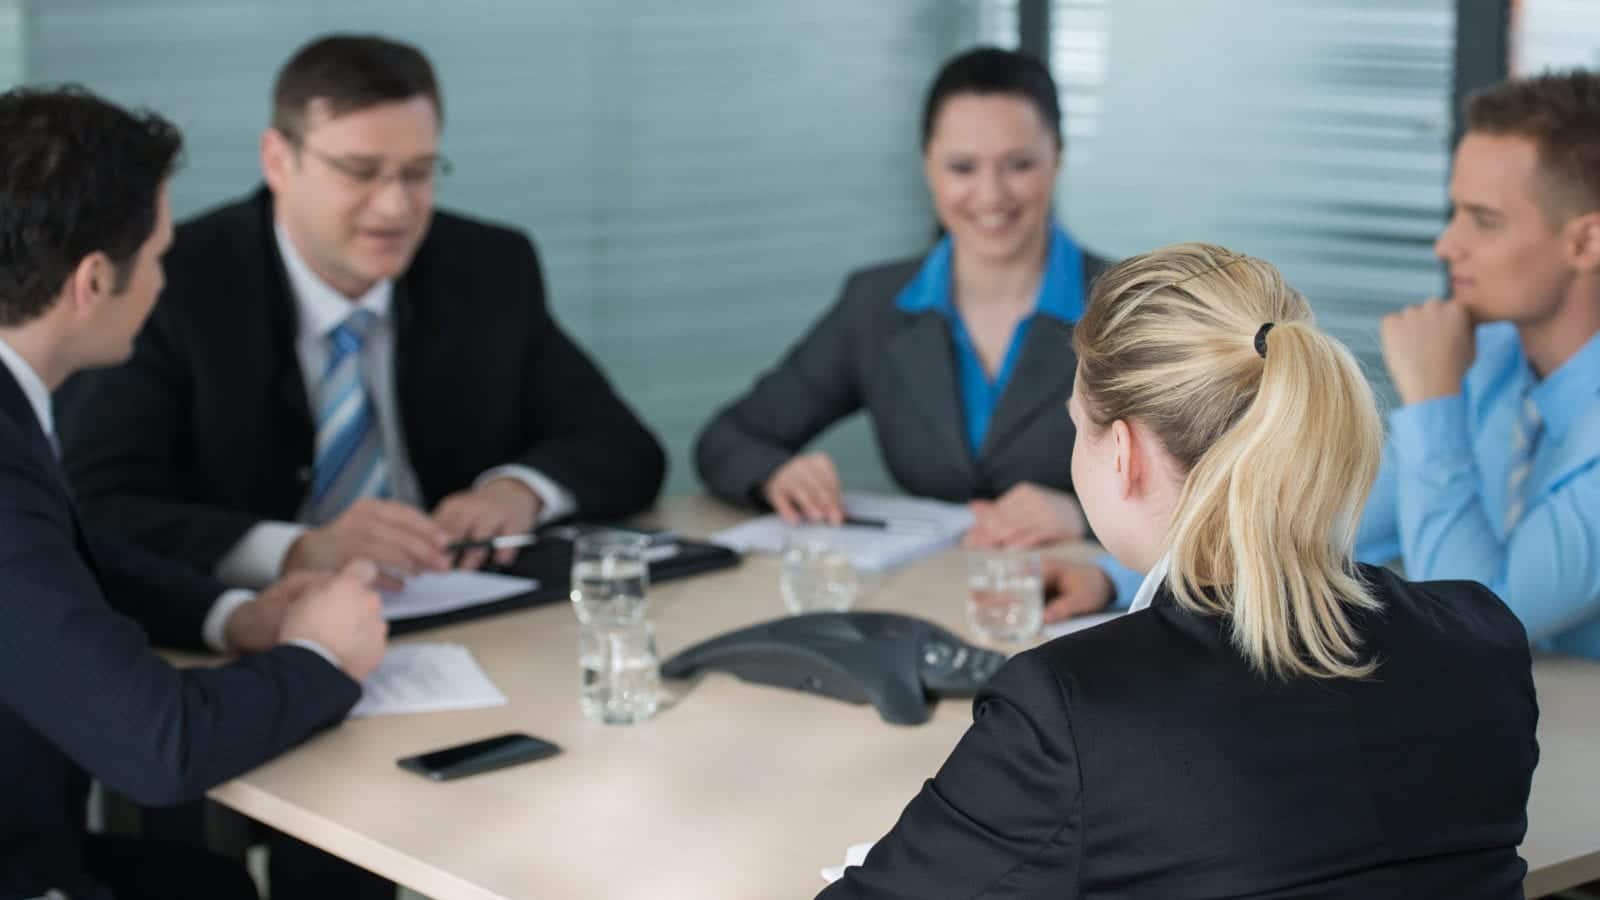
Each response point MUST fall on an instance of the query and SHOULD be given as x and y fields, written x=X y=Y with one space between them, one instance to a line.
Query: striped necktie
x=1524 y=441
x=349 y=463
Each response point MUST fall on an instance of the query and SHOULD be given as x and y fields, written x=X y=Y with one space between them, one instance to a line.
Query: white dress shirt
x=1151 y=584
x=38 y=394
x=258 y=557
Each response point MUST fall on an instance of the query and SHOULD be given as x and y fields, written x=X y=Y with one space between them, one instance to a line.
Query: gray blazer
x=867 y=353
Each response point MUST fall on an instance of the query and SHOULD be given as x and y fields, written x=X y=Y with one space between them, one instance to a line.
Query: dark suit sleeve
x=1003 y=816
x=122 y=433
x=814 y=386
x=585 y=438
x=169 y=599
x=83 y=675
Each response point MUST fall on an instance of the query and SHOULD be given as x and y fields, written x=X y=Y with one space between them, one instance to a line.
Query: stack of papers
x=432 y=593
x=416 y=678
x=912 y=528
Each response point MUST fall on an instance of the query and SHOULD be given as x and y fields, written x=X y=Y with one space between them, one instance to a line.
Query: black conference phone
x=897 y=663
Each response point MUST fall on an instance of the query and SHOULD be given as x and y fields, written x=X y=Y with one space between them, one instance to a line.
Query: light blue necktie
x=349 y=463
x=1524 y=441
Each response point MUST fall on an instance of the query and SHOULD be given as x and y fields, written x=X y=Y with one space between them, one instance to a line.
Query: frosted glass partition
x=1555 y=34
x=1309 y=132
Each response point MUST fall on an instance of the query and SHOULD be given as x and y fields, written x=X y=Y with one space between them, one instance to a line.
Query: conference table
x=733 y=790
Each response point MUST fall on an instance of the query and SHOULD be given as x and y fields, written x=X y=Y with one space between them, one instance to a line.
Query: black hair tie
x=1261 y=340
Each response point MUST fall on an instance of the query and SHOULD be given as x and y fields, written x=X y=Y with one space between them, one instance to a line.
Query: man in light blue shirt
x=1492 y=471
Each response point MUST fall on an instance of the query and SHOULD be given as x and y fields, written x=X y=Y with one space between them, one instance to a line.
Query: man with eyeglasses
x=337 y=371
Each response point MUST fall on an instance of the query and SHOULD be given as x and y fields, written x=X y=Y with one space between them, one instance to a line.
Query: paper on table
x=1079 y=623
x=416 y=678
x=854 y=855
x=917 y=528
x=432 y=593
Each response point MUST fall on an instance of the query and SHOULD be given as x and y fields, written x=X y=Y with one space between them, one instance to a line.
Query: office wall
x=700 y=175
x=1312 y=133
x=1555 y=34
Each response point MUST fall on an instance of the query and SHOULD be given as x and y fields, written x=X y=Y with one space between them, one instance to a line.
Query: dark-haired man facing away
x=85 y=224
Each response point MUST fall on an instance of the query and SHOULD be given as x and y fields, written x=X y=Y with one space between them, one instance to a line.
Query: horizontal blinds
x=1311 y=133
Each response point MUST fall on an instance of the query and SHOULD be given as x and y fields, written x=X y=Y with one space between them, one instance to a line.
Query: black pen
x=865 y=522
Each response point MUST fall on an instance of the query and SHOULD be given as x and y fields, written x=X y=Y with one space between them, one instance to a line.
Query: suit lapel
x=14 y=403
x=1044 y=370
x=269 y=310
x=921 y=355
x=1043 y=374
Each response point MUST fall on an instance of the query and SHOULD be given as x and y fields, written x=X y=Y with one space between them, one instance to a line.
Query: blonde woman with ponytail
x=1271 y=719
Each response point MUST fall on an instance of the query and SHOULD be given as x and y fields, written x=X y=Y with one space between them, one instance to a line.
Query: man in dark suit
x=337 y=371
x=81 y=693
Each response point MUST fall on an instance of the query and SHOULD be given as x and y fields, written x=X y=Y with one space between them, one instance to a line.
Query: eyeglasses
x=368 y=174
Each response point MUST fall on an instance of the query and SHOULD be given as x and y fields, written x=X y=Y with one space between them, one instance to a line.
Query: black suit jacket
x=866 y=353
x=207 y=430
x=82 y=694
x=1143 y=758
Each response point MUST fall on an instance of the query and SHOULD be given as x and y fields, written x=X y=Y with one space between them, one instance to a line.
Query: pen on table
x=499 y=542
x=865 y=522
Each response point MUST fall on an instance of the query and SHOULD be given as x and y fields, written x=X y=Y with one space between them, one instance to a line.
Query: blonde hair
x=1280 y=449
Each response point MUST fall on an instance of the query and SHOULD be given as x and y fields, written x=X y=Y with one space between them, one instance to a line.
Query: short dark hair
x=990 y=70
x=1560 y=113
x=78 y=175
x=350 y=72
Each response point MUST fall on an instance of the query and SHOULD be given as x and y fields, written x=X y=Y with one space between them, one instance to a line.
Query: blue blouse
x=1060 y=296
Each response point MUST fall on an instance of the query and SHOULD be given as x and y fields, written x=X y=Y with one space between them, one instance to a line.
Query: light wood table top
x=733 y=791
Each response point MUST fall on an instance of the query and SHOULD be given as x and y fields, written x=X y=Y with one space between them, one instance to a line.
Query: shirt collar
x=1151 y=585
x=321 y=307
x=33 y=387
x=1060 y=290
x=1570 y=390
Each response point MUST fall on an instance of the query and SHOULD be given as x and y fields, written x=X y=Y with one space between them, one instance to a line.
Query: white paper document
x=416 y=678
x=854 y=855
x=1079 y=623
x=914 y=528
x=432 y=593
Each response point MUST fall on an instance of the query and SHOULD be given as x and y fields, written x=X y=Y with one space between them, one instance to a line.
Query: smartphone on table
x=478 y=756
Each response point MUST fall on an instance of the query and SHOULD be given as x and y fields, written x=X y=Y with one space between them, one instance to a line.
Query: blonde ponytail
x=1281 y=447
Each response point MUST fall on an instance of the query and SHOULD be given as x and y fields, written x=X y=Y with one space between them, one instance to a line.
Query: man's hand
x=806 y=489
x=1026 y=516
x=499 y=506
x=1428 y=349
x=1074 y=589
x=344 y=615
x=397 y=537
x=255 y=626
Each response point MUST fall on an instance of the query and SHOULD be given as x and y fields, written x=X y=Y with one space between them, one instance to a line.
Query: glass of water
x=816 y=576
x=620 y=675
x=1005 y=600
x=610 y=576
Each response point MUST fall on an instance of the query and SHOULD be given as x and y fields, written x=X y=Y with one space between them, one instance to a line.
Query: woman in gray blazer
x=962 y=357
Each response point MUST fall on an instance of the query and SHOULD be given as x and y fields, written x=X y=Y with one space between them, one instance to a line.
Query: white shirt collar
x=1152 y=583
x=321 y=307
x=33 y=388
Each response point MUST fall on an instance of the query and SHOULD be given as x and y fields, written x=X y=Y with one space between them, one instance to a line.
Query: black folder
x=550 y=562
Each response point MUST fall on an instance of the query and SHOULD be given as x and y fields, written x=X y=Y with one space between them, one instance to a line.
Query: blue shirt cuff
x=1432 y=431
x=1125 y=582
